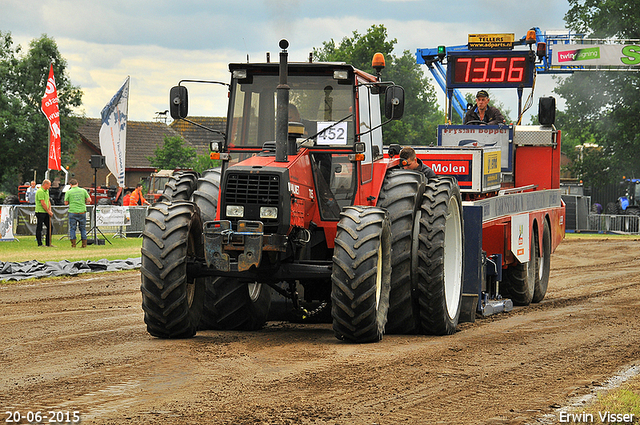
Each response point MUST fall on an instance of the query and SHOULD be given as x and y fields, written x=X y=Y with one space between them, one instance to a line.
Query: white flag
x=113 y=133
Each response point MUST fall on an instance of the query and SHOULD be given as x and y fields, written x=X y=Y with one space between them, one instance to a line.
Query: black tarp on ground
x=35 y=269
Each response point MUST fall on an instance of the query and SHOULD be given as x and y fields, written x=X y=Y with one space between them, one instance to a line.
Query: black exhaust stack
x=282 y=112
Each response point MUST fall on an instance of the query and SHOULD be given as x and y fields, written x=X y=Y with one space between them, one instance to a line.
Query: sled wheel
x=519 y=280
x=543 y=263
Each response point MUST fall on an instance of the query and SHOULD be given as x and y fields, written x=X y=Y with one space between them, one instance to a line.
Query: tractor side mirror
x=394 y=102
x=179 y=102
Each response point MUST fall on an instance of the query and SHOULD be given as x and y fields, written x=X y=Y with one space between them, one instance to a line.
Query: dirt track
x=80 y=344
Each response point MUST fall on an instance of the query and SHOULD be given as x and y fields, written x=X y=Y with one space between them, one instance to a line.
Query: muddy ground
x=80 y=344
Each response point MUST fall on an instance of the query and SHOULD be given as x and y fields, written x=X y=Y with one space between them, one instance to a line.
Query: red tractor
x=306 y=206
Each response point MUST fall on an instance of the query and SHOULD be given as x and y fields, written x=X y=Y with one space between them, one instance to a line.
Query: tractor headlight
x=235 y=211
x=268 y=212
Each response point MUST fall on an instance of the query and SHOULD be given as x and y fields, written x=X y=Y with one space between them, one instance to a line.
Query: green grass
x=600 y=236
x=27 y=249
x=623 y=400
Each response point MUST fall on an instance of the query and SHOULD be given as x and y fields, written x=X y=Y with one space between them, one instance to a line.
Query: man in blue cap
x=481 y=112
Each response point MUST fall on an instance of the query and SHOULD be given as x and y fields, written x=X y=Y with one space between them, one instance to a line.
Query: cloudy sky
x=160 y=42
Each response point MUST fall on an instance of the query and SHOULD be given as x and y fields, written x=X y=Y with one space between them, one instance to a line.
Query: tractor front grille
x=254 y=190
x=243 y=189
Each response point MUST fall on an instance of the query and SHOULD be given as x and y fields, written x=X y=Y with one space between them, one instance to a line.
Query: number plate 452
x=333 y=134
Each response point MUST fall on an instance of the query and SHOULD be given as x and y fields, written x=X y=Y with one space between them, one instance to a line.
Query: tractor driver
x=294 y=116
x=412 y=162
x=481 y=112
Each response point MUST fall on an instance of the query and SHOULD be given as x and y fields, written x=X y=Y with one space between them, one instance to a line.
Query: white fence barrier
x=22 y=220
x=614 y=223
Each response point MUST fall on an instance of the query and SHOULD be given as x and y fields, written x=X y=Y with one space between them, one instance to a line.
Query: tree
x=204 y=162
x=421 y=115
x=173 y=154
x=603 y=107
x=24 y=130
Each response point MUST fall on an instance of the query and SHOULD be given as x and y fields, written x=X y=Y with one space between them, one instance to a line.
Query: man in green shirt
x=77 y=198
x=43 y=212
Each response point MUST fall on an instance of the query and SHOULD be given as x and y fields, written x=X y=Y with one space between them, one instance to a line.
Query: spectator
x=77 y=198
x=127 y=199
x=31 y=193
x=137 y=198
x=43 y=213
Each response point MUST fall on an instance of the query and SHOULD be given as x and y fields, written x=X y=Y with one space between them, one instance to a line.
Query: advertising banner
x=480 y=135
x=6 y=223
x=112 y=216
x=113 y=133
x=51 y=111
x=26 y=220
x=491 y=41
x=596 y=54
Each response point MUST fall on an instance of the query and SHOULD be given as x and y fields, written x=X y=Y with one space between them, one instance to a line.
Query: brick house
x=199 y=137
x=142 y=139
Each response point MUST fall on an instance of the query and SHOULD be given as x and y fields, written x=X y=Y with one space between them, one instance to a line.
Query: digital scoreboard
x=503 y=69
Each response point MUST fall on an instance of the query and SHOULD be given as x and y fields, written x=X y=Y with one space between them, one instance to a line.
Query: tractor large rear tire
x=401 y=196
x=180 y=186
x=172 y=302
x=440 y=257
x=519 y=280
x=361 y=277
x=206 y=194
x=12 y=200
x=544 y=264
x=233 y=305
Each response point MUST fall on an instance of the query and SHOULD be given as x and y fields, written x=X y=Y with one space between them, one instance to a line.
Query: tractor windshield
x=317 y=101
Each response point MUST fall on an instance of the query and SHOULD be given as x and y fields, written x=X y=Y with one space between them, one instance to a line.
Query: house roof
x=143 y=137
x=198 y=137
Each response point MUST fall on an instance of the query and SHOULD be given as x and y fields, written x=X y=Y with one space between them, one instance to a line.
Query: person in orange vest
x=127 y=199
x=137 y=198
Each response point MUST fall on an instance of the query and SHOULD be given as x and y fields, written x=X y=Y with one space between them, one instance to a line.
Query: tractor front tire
x=401 y=196
x=233 y=305
x=361 y=277
x=206 y=194
x=440 y=257
x=171 y=300
x=180 y=186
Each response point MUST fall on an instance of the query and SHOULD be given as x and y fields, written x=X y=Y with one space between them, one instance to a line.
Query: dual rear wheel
x=426 y=259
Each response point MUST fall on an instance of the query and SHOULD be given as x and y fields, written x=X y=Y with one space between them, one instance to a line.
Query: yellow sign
x=491 y=41
x=491 y=162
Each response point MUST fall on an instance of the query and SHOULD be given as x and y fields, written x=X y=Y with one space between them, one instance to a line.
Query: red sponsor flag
x=51 y=111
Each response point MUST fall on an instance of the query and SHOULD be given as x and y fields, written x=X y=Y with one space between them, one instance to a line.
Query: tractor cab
x=322 y=121
x=333 y=122
x=630 y=202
